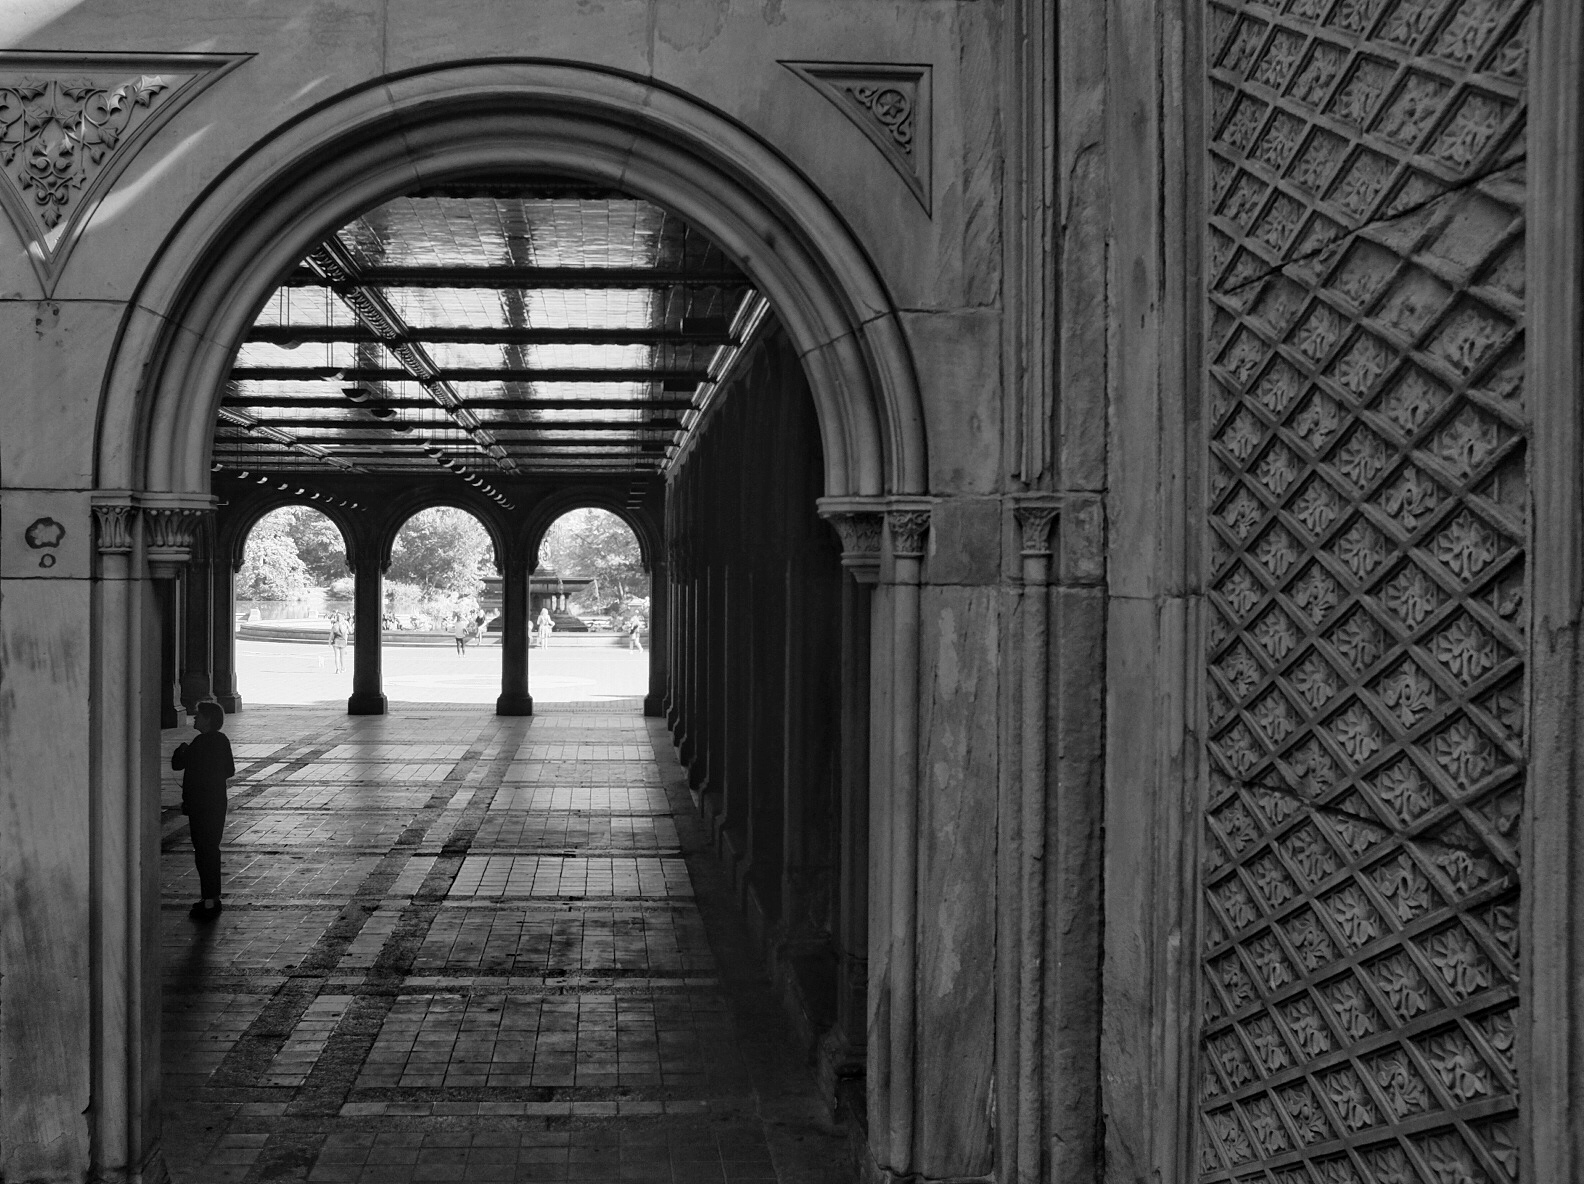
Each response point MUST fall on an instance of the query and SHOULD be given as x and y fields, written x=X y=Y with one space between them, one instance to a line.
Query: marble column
x=167 y=591
x=659 y=635
x=368 y=605
x=514 y=697
x=844 y=1051
x=892 y=1123
x=197 y=650
x=222 y=683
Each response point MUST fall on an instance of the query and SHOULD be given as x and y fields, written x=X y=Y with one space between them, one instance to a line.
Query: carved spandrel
x=890 y=104
x=70 y=122
x=1363 y=684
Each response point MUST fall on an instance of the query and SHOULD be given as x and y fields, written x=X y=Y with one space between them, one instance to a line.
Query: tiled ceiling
x=542 y=330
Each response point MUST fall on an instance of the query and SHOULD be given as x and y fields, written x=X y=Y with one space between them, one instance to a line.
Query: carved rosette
x=169 y=532
x=113 y=528
x=908 y=530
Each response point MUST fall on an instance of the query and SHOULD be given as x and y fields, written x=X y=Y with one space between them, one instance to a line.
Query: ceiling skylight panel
x=590 y=308
x=449 y=308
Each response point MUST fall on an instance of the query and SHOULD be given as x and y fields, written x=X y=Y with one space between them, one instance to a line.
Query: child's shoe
x=199 y=912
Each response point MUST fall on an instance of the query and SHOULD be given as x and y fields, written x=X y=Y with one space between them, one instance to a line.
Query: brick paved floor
x=459 y=947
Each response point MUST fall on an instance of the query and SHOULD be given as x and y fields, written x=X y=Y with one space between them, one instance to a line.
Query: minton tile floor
x=459 y=947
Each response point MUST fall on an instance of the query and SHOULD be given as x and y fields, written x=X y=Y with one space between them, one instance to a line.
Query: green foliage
x=444 y=551
x=596 y=543
x=271 y=567
x=319 y=544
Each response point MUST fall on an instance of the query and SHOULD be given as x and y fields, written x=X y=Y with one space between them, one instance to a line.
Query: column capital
x=115 y=521
x=1035 y=515
x=857 y=520
x=169 y=523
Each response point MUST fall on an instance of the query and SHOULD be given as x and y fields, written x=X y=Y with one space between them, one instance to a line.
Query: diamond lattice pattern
x=1364 y=676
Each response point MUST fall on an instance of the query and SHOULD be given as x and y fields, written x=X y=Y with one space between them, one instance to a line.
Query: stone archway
x=199 y=294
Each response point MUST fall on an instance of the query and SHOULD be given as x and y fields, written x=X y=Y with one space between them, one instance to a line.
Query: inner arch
x=503 y=123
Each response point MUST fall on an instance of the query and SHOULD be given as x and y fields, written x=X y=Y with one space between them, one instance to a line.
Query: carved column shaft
x=1034 y=522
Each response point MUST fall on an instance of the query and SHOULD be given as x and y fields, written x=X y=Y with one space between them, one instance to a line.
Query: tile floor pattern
x=458 y=947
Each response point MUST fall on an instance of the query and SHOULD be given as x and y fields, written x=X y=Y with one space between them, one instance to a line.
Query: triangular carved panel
x=890 y=104
x=71 y=122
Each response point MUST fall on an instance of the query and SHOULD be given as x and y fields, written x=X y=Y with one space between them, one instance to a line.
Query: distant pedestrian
x=207 y=765
x=338 y=641
x=546 y=626
x=633 y=630
x=460 y=630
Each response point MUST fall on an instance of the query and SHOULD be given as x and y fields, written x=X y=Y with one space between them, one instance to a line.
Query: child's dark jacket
x=206 y=761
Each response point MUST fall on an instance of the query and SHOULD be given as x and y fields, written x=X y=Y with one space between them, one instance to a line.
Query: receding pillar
x=659 y=643
x=167 y=592
x=197 y=651
x=368 y=604
x=514 y=697
x=222 y=622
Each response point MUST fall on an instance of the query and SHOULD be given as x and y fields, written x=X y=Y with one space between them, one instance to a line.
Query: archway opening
x=834 y=339
x=440 y=626
x=591 y=602
x=290 y=585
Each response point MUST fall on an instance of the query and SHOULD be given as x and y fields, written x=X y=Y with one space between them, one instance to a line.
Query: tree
x=442 y=550
x=596 y=543
x=319 y=543
x=271 y=567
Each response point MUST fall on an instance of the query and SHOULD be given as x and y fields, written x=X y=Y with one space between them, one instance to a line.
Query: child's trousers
x=207 y=823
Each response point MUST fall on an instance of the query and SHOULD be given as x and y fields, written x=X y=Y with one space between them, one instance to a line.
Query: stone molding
x=890 y=104
x=70 y=123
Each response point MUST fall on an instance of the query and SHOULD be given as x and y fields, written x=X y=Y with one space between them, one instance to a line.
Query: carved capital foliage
x=890 y=104
x=908 y=530
x=113 y=528
x=169 y=532
x=1034 y=524
x=70 y=123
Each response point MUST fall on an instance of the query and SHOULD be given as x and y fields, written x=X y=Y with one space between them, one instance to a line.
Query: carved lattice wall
x=1367 y=525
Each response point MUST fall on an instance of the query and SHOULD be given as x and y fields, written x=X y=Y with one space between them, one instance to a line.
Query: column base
x=230 y=704
x=514 y=704
x=366 y=703
x=654 y=706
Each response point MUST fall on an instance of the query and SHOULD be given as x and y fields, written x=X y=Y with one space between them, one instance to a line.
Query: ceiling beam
x=497 y=426
x=534 y=404
x=458 y=374
x=525 y=278
x=502 y=335
x=331 y=262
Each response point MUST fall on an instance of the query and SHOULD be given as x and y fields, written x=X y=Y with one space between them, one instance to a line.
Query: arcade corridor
x=460 y=946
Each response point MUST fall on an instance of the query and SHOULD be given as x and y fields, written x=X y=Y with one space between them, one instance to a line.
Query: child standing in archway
x=207 y=766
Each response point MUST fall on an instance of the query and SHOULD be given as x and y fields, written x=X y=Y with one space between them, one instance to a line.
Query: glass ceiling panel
x=305 y=306
x=590 y=308
x=450 y=308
